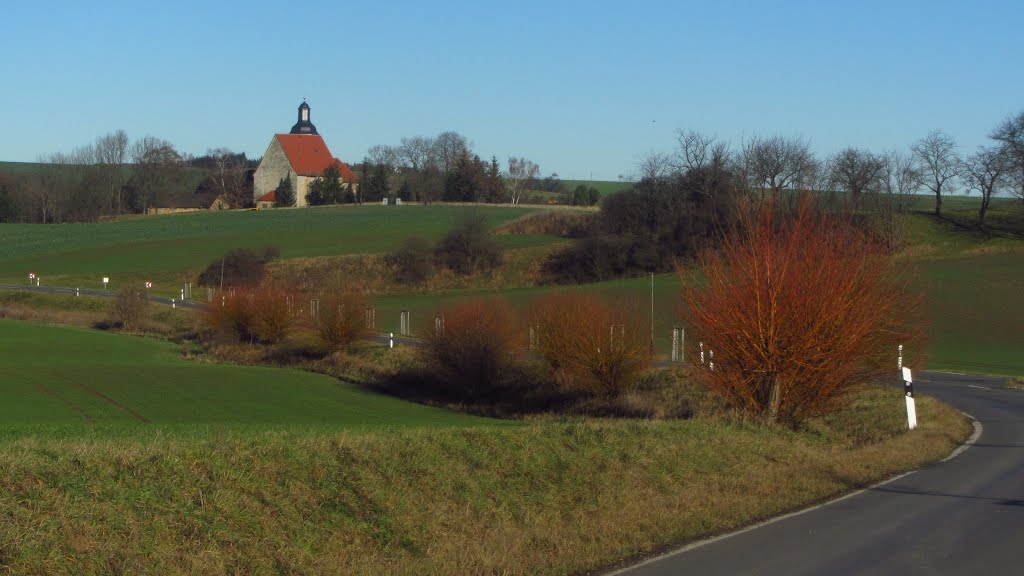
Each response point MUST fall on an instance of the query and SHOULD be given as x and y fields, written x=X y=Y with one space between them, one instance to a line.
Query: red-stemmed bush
x=797 y=310
x=588 y=344
x=474 y=344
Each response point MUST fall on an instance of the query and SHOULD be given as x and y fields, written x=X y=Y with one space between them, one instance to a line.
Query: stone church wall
x=272 y=168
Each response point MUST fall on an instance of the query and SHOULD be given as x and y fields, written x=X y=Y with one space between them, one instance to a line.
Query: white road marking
x=700 y=543
x=978 y=387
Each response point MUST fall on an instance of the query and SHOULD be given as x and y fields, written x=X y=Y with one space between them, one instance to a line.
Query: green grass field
x=170 y=249
x=61 y=379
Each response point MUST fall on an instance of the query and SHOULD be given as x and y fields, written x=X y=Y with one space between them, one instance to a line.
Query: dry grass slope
x=551 y=497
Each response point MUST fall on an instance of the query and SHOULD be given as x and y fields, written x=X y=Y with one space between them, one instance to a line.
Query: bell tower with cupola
x=303 y=126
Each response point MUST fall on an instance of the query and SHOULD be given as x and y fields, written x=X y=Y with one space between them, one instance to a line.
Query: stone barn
x=302 y=155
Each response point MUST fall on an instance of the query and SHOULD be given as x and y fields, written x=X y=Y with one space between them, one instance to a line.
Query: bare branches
x=229 y=176
x=520 y=172
x=940 y=164
x=986 y=171
x=856 y=172
x=777 y=163
x=696 y=151
x=1010 y=137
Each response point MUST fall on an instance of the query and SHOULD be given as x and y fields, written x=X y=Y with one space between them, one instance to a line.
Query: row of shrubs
x=479 y=353
x=268 y=314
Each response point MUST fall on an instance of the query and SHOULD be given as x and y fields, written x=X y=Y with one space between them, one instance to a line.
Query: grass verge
x=547 y=497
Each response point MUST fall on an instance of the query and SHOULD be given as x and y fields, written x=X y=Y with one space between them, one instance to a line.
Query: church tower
x=303 y=126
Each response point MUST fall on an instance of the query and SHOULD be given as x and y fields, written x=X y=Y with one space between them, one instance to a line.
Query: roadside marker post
x=391 y=340
x=105 y=280
x=899 y=361
x=908 y=391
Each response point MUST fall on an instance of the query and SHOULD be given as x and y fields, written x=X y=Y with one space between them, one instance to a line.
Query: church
x=301 y=155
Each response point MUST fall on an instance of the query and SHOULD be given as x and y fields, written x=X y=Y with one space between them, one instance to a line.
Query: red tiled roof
x=346 y=171
x=307 y=153
x=309 y=156
x=269 y=196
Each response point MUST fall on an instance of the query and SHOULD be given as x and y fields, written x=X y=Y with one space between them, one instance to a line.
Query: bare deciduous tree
x=695 y=151
x=773 y=164
x=1010 y=136
x=856 y=172
x=520 y=172
x=448 y=148
x=383 y=155
x=900 y=180
x=940 y=164
x=986 y=171
x=157 y=169
x=229 y=176
x=654 y=166
x=111 y=154
x=416 y=152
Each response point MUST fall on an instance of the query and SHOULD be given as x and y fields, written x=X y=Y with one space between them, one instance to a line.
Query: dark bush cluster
x=467 y=248
x=412 y=261
x=648 y=228
x=238 y=267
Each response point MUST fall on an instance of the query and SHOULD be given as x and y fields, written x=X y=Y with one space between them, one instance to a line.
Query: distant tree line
x=445 y=168
x=689 y=195
x=113 y=176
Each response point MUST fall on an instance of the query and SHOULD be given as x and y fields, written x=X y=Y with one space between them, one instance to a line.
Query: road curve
x=962 y=516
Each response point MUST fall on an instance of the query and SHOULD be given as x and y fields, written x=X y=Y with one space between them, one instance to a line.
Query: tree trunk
x=774 y=401
x=938 y=203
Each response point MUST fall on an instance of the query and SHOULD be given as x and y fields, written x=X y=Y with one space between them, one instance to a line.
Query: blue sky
x=582 y=88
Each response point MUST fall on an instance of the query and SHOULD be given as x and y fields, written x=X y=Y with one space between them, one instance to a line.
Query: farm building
x=302 y=155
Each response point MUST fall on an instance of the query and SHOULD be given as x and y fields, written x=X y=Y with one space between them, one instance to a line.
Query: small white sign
x=105 y=279
x=31 y=275
x=149 y=285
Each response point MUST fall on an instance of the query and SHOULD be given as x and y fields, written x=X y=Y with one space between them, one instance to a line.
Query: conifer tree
x=285 y=196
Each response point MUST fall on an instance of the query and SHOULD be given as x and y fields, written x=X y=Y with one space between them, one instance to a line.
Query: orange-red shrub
x=588 y=344
x=797 y=312
x=261 y=314
x=476 y=345
x=341 y=320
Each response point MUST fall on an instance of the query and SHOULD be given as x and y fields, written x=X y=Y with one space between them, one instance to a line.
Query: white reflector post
x=908 y=392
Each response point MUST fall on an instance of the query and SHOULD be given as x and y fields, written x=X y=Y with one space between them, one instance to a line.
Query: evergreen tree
x=327 y=188
x=285 y=196
x=405 y=192
x=377 y=186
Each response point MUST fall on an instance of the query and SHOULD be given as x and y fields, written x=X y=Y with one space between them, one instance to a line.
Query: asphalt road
x=101 y=293
x=380 y=338
x=962 y=516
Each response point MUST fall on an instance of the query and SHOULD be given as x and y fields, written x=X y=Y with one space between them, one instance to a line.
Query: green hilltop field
x=171 y=249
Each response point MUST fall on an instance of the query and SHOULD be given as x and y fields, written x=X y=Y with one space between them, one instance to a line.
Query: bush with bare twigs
x=341 y=320
x=262 y=314
x=589 y=344
x=473 y=347
x=232 y=315
x=797 y=312
x=129 y=307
